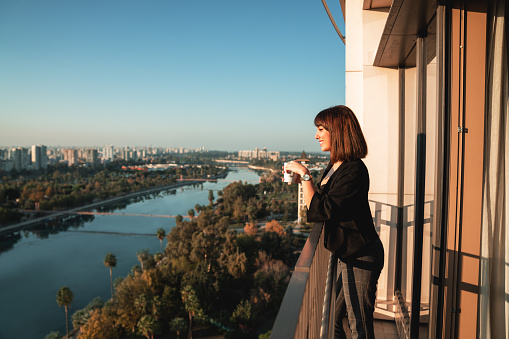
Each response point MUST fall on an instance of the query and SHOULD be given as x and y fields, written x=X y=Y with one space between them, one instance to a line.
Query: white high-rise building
x=301 y=203
x=39 y=157
x=108 y=153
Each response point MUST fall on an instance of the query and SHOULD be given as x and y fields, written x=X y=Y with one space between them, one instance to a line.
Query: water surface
x=41 y=262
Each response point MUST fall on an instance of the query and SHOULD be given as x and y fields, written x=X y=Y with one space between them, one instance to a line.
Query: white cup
x=287 y=177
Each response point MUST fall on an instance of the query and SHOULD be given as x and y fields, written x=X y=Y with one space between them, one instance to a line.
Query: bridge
x=200 y=179
x=106 y=213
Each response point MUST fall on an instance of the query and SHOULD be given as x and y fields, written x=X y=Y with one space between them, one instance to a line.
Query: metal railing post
x=329 y=299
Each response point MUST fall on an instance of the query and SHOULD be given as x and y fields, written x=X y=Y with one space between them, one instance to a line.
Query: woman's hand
x=299 y=170
x=296 y=168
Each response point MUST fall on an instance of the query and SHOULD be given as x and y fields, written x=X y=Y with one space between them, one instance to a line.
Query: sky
x=221 y=74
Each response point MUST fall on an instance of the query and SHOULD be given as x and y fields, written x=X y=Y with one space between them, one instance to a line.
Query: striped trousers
x=356 y=292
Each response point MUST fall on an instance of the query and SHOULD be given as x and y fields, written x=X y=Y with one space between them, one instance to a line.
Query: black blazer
x=342 y=205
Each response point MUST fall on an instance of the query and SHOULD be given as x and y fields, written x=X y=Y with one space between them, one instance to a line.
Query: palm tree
x=142 y=257
x=178 y=325
x=147 y=325
x=110 y=261
x=211 y=197
x=191 y=213
x=161 y=234
x=191 y=304
x=64 y=298
x=178 y=219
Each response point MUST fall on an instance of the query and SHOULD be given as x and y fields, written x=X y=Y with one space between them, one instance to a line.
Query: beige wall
x=373 y=94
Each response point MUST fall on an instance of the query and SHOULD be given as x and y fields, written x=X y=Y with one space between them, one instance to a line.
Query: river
x=40 y=263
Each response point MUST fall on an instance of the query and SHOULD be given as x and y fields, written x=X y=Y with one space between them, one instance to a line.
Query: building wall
x=373 y=94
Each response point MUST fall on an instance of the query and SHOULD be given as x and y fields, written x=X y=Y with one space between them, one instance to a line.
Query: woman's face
x=323 y=137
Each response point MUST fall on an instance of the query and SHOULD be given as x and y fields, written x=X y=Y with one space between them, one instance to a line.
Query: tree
x=191 y=304
x=236 y=264
x=101 y=324
x=110 y=261
x=242 y=314
x=250 y=229
x=265 y=335
x=128 y=304
x=147 y=326
x=160 y=235
x=274 y=226
x=178 y=219
x=211 y=197
x=198 y=208
x=178 y=325
x=79 y=319
x=64 y=298
x=191 y=213
x=53 y=335
x=142 y=257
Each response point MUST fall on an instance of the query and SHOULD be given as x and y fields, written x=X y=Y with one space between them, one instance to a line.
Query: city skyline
x=221 y=75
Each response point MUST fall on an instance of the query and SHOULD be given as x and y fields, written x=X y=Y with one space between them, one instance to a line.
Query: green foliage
x=178 y=325
x=146 y=260
x=67 y=187
x=53 y=335
x=160 y=235
x=208 y=272
x=64 y=296
x=81 y=317
x=271 y=280
x=148 y=325
x=242 y=314
x=110 y=260
x=265 y=335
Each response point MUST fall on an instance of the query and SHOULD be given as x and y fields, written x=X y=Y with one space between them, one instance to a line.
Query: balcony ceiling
x=406 y=20
x=374 y=4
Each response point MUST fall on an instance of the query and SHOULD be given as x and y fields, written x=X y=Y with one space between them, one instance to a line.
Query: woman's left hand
x=296 y=167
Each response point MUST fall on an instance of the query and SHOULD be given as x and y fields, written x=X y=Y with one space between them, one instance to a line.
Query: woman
x=340 y=202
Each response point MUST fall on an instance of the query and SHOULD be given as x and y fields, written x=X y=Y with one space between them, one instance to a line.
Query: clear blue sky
x=223 y=74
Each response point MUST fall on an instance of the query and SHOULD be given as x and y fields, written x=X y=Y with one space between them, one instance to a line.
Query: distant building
x=259 y=154
x=39 y=157
x=71 y=156
x=20 y=158
x=91 y=157
x=301 y=203
x=3 y=154
x=108 y=153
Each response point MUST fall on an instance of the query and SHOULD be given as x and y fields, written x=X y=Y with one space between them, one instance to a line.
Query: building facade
x=39 y=156
x=301 y=203
x=20 y=158
x=428 y=81
x=91 y=157
x=71 y=156
x=259 y=154
x=108 y=153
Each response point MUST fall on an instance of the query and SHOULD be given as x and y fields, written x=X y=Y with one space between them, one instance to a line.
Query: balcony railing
x=308 y=307
x=300 y=314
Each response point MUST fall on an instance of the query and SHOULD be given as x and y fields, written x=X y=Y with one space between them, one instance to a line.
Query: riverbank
x=259 y=168
x=59 y=214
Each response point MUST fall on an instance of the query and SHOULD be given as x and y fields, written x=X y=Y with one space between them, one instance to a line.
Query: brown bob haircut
x=347 y=139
